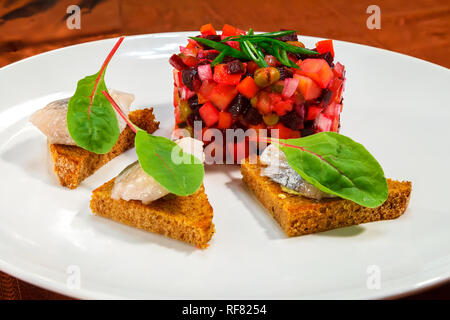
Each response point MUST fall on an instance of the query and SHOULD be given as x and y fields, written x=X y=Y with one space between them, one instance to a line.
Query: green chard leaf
x=179 y=172
x=91 y=121
x=155 y=157
x=337 y=165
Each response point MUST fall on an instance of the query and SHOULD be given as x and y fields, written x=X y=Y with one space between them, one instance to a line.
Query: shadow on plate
x=119 y=232
x=346 y=232
x=261 y=215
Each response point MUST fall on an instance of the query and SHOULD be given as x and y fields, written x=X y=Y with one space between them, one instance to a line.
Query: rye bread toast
x=298 y=215
x=73 y=164
x=188 y=219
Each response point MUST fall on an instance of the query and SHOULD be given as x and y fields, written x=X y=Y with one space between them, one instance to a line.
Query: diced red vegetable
x=339 y=70
x=282 y=133
x=225 y=120
x=228 y=30
x=177 y=62
x=209 y=114
x=222 y=95
x=296 y=134
x=176 y=96
x=185 y=93
x=221 y=75
x=313 y=112
x=206 y=88
x=325 y=46
x=252 y=66
x=318 y=70
x=207 y=30
x=177 y=77
x=323 y=122
x=248 y=87
x=282 y=107
x=332 y=110
x=271 y=60
x=190 y=61
x=205 y=72
x=309 y=89
x=290 y=85
x=264 y=102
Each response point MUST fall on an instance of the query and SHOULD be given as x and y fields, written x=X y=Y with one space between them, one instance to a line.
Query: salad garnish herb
x=337 y=165
x=155 y=155
x=253 y=47
x=91 y=121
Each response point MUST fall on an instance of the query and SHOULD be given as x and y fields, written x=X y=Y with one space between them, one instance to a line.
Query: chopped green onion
x=219 y=58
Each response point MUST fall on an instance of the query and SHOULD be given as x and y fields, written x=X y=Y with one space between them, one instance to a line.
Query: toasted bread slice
x=73 y=164
x=188 y=219
x=298 y=215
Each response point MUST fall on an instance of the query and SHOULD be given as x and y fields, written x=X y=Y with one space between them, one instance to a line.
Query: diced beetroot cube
x=225 y=120
x=308 y=88
x=177 y=62
x=190 y=61
x=207 y=30
x=205 y=72
x=222 y=95
x=206 y=88
x=221 y=75
x=323 y=122
x=300 y=109
x=318 y=70
x=209 y=114
x=313 y=112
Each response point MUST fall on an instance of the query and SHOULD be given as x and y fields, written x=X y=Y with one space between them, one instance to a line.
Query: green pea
x=266 y=76
x=271 y=119
x=185 y=110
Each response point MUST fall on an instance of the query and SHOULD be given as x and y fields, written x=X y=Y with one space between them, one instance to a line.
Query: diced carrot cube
x=207 y=29
x=325 y=46
x=209 y=114
x=228 y=30
x=225 y=120
x=248 y=87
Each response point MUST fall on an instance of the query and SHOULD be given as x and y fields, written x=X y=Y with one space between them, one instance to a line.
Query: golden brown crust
x=188 y=219
x=299 y=215
x=73 y=164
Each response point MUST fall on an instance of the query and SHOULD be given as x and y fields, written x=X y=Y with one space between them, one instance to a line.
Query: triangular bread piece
x=188 y=219
x=73 y=164
x=298 y=215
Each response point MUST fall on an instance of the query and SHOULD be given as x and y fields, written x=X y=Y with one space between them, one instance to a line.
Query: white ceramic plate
x=395 y=105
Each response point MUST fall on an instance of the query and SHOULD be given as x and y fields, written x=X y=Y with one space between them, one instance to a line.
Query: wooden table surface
x=418 y=28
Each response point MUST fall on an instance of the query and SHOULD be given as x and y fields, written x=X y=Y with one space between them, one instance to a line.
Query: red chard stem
x=119 y=111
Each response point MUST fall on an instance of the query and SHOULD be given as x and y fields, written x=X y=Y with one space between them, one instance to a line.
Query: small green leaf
x=155 y=157
x=91 y=121
x=98 y=130
x=337 y=165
